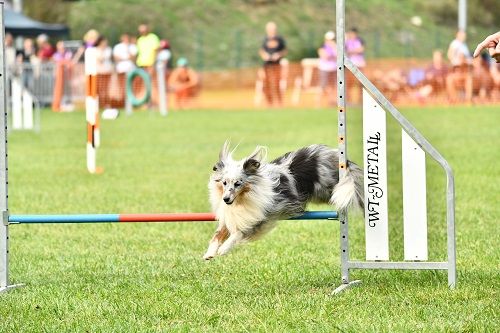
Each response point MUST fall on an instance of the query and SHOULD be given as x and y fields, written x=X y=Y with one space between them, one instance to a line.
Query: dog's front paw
x=208 y=256
x=223 y=250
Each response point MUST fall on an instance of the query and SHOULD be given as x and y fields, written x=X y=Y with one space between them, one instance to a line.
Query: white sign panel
x=414 y=200
x=375 y=179
x=17 y=104
x=27 y=110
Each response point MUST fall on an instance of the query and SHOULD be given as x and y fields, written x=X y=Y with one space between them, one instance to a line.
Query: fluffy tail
x=348 y=193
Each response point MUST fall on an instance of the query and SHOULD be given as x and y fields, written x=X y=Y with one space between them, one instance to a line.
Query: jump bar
x=137 y=218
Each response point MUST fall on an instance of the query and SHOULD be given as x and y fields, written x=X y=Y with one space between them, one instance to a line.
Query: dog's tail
x=349 y=192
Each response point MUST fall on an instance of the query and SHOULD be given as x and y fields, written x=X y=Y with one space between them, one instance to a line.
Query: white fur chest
x=241 y=216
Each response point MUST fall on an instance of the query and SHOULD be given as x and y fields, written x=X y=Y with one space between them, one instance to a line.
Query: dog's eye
x=214 y=168
x=237 y=184
x=224 y=183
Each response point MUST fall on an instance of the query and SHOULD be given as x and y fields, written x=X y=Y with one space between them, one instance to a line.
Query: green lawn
x=151 y=278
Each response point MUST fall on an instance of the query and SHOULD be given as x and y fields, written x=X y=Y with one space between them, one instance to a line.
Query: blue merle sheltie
x=248 y=196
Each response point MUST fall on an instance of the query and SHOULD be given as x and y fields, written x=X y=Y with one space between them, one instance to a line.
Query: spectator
x=124 y=54
x=458 y=52
x=164 y=54
x=482 y=82
x=89 y=40
x=61 y=99
x=495 y=76
x=355 y=51
x=147 y=47
x=26 y=59
x=45 y=50
x=183 y=81
x=460 y=77
x=435 y=77
x=104 y=71
x=272 y=51
x=10 y=52
x=61 y=55
x=328 y=67
x=354 y=47
x=436 y=73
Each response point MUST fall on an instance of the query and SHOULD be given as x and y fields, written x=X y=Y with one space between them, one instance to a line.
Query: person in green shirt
x=147 y=47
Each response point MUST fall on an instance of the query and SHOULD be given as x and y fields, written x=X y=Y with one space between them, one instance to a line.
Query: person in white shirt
x=124 y=54
x=458 y=52
x=460 y=77
x=164 y=53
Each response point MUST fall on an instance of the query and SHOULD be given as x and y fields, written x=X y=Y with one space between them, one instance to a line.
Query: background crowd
x=453 y=74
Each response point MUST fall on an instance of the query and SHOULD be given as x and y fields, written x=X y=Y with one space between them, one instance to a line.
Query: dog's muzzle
x=227 y=200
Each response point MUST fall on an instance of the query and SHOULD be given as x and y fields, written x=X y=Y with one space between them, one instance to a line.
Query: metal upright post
x=342 y=143
x=4 y=225
x=162 y=88
x=462 y=15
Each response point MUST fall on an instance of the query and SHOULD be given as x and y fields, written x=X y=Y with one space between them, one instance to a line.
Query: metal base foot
x=12 y=286
x=345 y=286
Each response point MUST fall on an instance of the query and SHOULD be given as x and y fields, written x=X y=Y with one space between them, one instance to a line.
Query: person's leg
x=332 y=81
x=106 y=102
x=450 y=87
x=468 y=85
x=276 y=77
x=267 y=84
x=121 y=77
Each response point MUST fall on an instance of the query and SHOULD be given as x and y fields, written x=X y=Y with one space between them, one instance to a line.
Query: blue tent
x=18 y=24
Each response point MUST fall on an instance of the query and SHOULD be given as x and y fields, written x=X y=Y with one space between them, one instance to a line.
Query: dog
x=249 y=196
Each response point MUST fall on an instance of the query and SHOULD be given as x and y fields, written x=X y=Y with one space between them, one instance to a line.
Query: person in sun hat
x=183 y=82
x=328 y=67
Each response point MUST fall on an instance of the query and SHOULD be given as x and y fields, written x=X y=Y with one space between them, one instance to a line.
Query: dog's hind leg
x=221 y=234
x=230 y=243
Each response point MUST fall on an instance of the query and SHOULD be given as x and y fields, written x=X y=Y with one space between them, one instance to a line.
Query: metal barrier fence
x=403 y=81
x=39 y=79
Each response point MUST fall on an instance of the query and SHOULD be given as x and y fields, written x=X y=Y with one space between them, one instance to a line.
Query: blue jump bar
x=64 y=218
x=115 y=218
x=317 y=215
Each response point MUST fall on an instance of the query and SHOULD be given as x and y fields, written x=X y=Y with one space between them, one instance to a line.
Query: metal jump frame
x=346 y=263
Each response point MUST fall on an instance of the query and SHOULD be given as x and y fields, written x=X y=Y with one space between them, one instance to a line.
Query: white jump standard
x=414 y=146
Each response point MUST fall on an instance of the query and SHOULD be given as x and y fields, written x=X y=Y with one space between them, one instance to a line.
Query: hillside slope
x=222 y=33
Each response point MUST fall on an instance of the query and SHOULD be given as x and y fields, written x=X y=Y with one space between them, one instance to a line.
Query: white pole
x=17 y=5
x=91 y=108
x=462 y=15
x=162 y=91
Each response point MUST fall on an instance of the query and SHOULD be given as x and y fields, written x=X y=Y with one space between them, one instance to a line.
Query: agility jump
x=140 y=218
x=376 y=212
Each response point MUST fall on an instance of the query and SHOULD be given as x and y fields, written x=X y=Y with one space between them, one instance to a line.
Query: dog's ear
x=259 y=154
x=253 y=162
x=218 y=166
x=224 y=152
x=250 y=166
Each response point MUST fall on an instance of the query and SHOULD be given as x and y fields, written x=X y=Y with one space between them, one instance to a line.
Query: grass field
x=150 y=277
